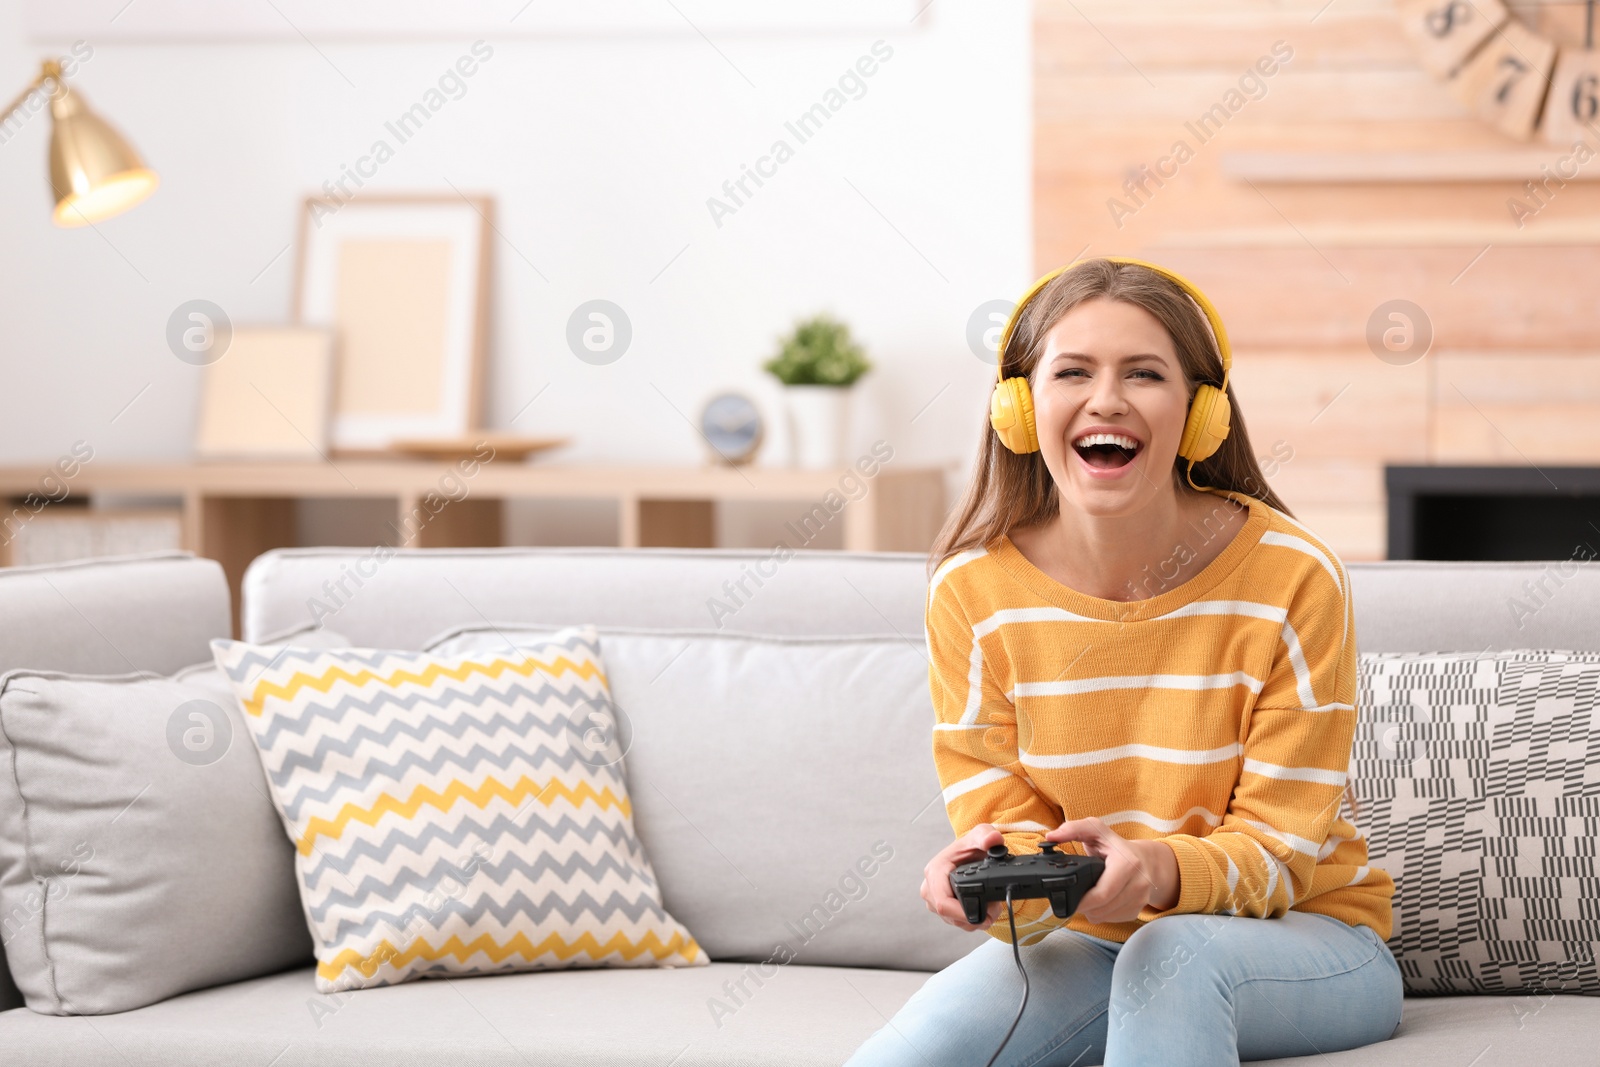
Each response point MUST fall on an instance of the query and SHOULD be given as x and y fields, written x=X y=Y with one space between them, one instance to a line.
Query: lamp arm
x=51 y=71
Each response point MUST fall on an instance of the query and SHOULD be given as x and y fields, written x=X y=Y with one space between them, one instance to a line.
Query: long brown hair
x=1009 y=489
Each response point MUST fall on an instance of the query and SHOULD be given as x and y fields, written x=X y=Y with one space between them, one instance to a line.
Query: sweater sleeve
x=1295 y=760
x=975 y=753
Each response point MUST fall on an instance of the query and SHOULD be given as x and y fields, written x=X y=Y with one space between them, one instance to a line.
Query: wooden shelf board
x=1439 y=235
x=387 y=478
x=1324 y=168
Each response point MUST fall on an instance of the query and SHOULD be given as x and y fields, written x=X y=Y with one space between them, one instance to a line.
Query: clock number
x=1584 y=103
x=1517 y=69
x=1441 y=21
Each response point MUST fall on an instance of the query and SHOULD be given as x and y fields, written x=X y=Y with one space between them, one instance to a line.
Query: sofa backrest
x=114 y=615
x=1433 y=606
x=404 y=599
x=401 y=601
x=154 y=612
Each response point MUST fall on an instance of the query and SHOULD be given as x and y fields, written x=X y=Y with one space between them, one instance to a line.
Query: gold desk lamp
x=94 y=173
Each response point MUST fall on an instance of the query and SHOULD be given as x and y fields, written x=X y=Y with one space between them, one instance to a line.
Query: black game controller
x=1060 y=877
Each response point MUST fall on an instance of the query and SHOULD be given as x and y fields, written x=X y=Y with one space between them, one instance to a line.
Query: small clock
x=731 y=424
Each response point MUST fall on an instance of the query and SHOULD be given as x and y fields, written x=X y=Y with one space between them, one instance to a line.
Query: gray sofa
x=741 y=874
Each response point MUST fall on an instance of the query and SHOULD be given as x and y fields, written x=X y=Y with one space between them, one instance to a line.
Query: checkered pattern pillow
x=1479 y=782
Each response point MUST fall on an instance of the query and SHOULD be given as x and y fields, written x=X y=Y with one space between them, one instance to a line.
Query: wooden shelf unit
x=232 y=512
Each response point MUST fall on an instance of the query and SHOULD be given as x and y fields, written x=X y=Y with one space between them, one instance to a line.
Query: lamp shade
x=94 y=173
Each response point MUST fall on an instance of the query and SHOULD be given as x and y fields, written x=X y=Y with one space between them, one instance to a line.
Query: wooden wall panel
x=1061 y=145
x=1300 y=297
x=1315 y=95
x=1114 y=38
x=1326 y=406
x=1298 y=265
x=1516 y=408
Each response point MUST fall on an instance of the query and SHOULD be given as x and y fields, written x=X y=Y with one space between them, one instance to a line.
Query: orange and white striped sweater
x=1216 y=715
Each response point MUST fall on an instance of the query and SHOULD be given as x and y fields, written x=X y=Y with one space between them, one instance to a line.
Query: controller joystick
x=1050 y=874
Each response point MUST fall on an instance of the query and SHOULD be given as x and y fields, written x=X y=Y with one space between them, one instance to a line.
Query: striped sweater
x=1216 y=716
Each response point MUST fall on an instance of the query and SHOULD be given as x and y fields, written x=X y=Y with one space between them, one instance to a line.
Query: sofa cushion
x=795 y=1016
x=448 y=814
x=1479 y=780
x=783 y=787
x=139 y=855
x=152 y=612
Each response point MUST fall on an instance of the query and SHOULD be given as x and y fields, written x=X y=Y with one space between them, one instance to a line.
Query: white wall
x=601 y=150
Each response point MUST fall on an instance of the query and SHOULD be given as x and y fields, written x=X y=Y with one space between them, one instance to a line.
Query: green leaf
x=818 y=351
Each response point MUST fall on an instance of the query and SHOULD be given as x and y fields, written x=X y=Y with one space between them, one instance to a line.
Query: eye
x=1153 y=376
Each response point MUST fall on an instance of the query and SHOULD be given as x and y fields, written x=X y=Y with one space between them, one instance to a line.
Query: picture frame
x=269 y=396
x=403 y=282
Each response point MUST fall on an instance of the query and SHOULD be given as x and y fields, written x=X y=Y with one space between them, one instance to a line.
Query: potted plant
x=817 y=363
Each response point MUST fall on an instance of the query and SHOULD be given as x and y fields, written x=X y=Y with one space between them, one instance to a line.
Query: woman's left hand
x=1135 y=873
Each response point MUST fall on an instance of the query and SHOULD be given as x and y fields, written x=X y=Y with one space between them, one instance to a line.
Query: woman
x=1155 y=675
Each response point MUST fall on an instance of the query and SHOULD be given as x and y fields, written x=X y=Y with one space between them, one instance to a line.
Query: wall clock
x=732 y=426
x=1516 y=79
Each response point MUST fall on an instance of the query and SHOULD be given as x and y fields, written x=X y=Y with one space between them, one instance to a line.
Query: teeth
x=1106 y=439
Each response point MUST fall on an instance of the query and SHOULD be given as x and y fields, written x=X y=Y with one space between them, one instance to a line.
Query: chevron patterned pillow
x=455 y=815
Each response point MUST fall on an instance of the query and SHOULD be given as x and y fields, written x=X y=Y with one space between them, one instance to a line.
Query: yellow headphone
x=1011 y=407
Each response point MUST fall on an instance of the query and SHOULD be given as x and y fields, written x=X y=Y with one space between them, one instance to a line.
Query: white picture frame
x=403 y=283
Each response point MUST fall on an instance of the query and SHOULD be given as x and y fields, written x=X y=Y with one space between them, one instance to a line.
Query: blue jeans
x=1184 y=989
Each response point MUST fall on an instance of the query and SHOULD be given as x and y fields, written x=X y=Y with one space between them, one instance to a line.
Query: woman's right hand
x=936 y=892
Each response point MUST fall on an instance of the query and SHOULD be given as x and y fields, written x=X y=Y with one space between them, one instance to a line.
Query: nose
x=1107 y=396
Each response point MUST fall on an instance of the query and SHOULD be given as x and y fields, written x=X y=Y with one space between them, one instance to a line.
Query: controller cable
x=1016 y=952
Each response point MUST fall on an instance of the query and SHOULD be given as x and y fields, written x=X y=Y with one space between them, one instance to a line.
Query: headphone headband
x=1210 y=312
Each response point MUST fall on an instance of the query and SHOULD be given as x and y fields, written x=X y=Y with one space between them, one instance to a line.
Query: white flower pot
x=819 y=422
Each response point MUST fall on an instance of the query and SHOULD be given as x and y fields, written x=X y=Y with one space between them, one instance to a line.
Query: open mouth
x=1107 y=451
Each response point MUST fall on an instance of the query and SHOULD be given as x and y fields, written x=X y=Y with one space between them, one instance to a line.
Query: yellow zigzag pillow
x=457 y=814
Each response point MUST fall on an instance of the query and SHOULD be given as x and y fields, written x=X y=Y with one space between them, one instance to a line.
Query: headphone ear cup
x=1011 y=415
x=1207 y=425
